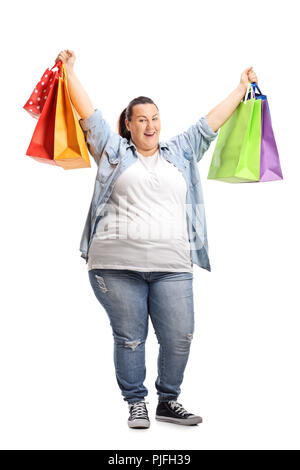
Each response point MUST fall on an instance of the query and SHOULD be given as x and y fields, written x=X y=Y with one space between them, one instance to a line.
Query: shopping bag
x=37 y=100
x=236 y=157
x=70 y=150
x=270 y=168
x=41 y=147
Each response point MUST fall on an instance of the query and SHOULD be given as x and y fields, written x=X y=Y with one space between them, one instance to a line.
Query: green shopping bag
x=236 y=158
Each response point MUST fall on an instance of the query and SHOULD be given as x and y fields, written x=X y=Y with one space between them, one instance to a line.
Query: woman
x=145 y=228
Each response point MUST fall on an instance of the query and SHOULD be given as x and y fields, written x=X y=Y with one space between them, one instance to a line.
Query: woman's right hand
x=68 y=58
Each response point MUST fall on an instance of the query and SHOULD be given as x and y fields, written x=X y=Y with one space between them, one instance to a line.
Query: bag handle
x=249 y=88
x=58 y=64
x=64 y=74
x=61 y=69
x=254 y=85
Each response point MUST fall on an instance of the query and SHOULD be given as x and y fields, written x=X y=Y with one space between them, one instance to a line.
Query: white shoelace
x=177 y=407
x=138 y=410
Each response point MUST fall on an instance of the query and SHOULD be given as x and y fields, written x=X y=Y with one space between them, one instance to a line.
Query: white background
x=58 y=386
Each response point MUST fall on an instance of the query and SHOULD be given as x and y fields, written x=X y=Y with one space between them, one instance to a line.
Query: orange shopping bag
x=70 y=150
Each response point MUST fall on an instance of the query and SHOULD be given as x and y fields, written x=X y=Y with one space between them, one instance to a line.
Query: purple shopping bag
x=270 y=169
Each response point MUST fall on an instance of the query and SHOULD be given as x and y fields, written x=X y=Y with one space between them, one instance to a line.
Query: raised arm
x=200 y=135
x=222 y=112
x=95 y=128
x=79 y=97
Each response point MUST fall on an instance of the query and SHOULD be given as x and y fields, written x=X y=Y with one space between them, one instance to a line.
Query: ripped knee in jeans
x=132 y=344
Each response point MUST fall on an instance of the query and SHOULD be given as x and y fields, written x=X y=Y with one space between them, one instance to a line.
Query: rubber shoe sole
x=139 y=423
x=185 y=421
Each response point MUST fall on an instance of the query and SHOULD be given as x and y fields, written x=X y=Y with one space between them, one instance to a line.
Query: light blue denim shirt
x=113 y=154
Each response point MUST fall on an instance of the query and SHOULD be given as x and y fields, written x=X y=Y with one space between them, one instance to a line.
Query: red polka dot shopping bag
x=41 y=147
x=35 y=104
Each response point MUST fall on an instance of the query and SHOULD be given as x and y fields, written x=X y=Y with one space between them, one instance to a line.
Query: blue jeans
x=128 y=297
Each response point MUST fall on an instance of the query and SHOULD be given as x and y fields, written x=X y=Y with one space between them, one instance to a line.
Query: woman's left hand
x=247 y=76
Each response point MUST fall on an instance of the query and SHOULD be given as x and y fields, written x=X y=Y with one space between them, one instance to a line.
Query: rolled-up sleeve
x=96 y=132
x=199 y=136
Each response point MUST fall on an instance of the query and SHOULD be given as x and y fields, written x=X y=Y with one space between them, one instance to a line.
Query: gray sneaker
x=138 y=415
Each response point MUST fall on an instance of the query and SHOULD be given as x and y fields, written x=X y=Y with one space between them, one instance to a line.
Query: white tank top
x=144 y=226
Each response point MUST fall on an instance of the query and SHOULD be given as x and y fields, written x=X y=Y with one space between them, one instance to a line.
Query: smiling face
x=145 y=119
